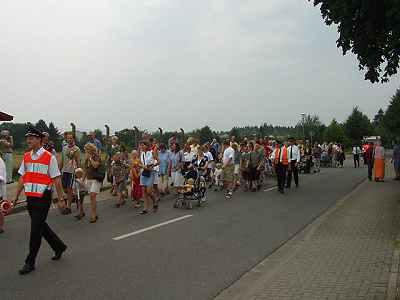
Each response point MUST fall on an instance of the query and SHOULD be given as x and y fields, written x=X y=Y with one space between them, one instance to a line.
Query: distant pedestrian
x=94 y=177
x=356 y=155
x=147 y=177
x=3 y=193
x=369 y=158
x=396 y=160
x=120 y=170
x=93 y=140
x=294 y=160
x=70 y=160
x=49 y=145
x=280 y=159
x=317 y=154
x=137 y=190
x=6 y=148
x=379 y=162
x=228 y=168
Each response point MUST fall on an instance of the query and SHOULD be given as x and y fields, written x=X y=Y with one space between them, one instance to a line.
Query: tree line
x=357 y=125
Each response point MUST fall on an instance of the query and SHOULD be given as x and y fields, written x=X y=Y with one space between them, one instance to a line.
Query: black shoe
x=287 y=187
x=59 y=254
x=143 y=212
x=297 y=185
x=26 y=269
x=281 y=191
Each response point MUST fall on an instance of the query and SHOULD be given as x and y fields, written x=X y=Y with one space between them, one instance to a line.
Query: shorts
x=236 y=169
x=228 y=173
x=67 y=180
x=177 y=179
x=121 y=186
x=147 y=181
x=93 y=186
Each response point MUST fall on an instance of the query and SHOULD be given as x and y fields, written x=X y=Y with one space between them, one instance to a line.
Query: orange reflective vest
x=281 y=155
x=36 y=178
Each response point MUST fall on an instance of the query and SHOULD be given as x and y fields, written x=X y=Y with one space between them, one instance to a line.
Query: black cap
x=32 y=131
x=290 y=138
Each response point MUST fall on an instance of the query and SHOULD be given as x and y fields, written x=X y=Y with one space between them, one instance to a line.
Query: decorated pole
x=73 y=128
x=136 y=136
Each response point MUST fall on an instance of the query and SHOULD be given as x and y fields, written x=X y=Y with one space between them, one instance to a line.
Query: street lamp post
x=303 y=116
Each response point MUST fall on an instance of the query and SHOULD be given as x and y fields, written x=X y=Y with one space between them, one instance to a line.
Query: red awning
x=5 y=117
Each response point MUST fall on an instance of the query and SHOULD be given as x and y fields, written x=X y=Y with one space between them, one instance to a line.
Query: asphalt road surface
x=174 y=254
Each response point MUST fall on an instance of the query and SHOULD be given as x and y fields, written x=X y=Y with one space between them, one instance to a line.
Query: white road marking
x=271 y=189
x=151 y=227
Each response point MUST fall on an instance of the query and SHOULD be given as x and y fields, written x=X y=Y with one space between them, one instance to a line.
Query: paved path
x=345 y=254
x=174 y=254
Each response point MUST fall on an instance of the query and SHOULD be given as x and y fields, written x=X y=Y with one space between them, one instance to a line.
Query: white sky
x=176 y=63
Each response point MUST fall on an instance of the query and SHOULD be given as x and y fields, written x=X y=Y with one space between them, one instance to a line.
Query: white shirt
x=209 y=156
x=357 y=150
x=147 y=158
x=229 y=156
x=3 y=178
x=294 y=153
x=53 y=167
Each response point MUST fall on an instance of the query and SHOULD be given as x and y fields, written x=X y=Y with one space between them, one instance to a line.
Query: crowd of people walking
x=154 y=170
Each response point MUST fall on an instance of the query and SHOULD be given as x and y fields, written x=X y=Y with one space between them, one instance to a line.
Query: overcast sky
x=176 y=63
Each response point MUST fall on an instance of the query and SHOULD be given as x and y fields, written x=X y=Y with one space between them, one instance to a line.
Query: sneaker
x=228 y=195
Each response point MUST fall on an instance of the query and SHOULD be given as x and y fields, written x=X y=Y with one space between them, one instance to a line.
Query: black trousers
x=356 y=160
x=370 y=168
x=281 y=171
x=38 y=209
x=295 y=171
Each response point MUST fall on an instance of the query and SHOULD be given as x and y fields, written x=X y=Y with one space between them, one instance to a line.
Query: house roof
x=5 y=117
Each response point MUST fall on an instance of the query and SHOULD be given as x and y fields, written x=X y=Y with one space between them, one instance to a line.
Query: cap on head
x=32 y=131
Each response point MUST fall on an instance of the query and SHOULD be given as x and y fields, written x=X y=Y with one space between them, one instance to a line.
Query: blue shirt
x=95 y=142
x=164 y=158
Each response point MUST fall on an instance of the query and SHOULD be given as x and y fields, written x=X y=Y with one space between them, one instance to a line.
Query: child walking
x=137 y=191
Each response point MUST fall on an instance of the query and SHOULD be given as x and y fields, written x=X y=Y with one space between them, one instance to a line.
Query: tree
x=378 y=118
x=334 y=133
x=391 y=119
x=54 y=135
x=357 y=126
x=204 y=134
x=313 y=127
x=368 y=28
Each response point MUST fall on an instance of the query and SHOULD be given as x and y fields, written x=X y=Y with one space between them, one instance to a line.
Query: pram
x=306 y=164
x=194 y=189
x=326 y=160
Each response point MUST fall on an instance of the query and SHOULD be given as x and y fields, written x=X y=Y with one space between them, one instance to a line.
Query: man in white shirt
x=294 y=159
x=3 y=194
x=39 y=171
x=228 y=168
x=356 y=155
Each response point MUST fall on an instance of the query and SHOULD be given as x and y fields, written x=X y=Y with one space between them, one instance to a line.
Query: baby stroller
x=194 y=189
x=326 y=160
x=306 y=164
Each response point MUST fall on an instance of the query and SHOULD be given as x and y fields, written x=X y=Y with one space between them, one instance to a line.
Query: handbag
x=99 y=173
x=146 y=173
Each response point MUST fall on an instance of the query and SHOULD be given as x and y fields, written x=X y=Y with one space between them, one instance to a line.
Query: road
x=194 y=257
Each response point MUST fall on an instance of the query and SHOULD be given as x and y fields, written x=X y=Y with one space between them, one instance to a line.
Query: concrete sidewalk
x=347 y=253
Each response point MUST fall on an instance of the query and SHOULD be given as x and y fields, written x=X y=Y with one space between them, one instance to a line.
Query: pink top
x=379 y=152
